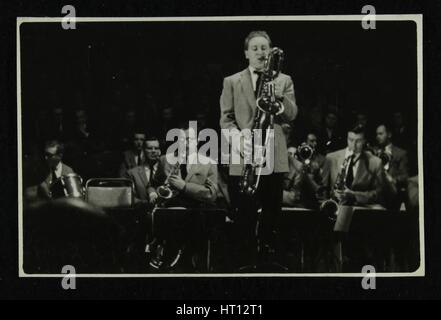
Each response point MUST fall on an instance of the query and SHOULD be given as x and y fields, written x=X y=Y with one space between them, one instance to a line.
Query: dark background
x=107 y=68
x=13 y=287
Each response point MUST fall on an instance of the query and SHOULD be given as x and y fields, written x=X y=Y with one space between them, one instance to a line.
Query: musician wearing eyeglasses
x=363 y=172
x=53 y=155
x=238 y=111
x=193 y=181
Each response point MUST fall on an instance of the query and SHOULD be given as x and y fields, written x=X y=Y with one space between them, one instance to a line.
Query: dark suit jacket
x=238 y=108
x=143 y=187
x=44 y=188
x=128 y=162
x=398 y=167
x=292 y=184
x=369 y=180
x=201 y=180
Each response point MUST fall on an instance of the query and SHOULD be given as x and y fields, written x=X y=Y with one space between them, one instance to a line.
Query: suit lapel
x=142 y=176
x=247 y=87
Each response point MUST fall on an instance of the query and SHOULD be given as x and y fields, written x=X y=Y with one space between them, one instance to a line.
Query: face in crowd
x=311 y=139
x=258 y=49
x=53 y=156
x=152 y=150
x=331 y=120
x=383 y=136
x=356 y=142
x=138 y=141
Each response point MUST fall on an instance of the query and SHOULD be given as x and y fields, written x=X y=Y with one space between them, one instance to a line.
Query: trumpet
x=164 y=191
x=304 y=153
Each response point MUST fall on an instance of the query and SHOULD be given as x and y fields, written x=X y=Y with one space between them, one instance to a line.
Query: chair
x=110 y=192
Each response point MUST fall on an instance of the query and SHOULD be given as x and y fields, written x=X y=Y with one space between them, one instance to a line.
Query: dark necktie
x=350 y=174
x=183 y=169
x=151 y=173
x=54 y=177
x=259 y=76
x=138 y=161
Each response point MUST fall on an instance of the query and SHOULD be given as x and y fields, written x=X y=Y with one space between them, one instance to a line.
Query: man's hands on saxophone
x=177 y=182
x=345 y=196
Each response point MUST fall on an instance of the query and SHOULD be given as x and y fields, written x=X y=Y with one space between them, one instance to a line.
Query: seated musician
x=195 y=181
x=395 y=161
x=135 y=156
x=292 y=183
x=53 y=155
x=363 y=173
x=142 y=175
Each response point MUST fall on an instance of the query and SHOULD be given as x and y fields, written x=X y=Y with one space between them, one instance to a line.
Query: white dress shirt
x=254 y=77
x=147 y=171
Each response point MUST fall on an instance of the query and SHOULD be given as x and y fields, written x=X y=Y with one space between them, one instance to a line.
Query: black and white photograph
x=285 y=146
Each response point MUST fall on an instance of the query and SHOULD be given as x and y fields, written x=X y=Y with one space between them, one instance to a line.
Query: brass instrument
x=164 y=191
x=164 y=256
x=330 y=206
x=386 y=159
x=267 y=108
x=305 y=153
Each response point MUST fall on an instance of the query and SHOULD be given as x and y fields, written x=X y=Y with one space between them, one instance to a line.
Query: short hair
x=386 y=127
x=138 y=131
x=358 y=129
x=254 y=34
x=54 y=143
x=151 y=138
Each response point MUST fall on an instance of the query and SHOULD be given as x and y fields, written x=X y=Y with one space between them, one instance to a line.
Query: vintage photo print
x=287 y=146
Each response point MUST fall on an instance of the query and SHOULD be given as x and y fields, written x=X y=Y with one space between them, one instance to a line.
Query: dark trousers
x=269 y=197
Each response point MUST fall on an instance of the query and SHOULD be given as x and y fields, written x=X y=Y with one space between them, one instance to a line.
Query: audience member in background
x=127 y=128
x=362 y=119
x=400 y=131
x=330 y=138
x=54 y=127
x=53 y=154
x=80 y=145
x=142 y=176
x=394 y=159
x=135 y=156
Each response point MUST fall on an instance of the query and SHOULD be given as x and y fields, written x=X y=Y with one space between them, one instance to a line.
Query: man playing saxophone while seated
x=193 y=181
x=364 y=178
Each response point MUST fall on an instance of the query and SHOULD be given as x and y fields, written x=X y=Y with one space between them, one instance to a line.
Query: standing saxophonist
x=238 y=110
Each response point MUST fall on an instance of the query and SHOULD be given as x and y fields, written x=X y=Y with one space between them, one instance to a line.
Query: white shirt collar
x=388 y=148
x=349 y=153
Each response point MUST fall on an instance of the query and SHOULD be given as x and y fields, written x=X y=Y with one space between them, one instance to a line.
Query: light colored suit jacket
x=369 y=181
x=129 y=162
x=143 y=187
x=201 y=180
x=238 y=108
